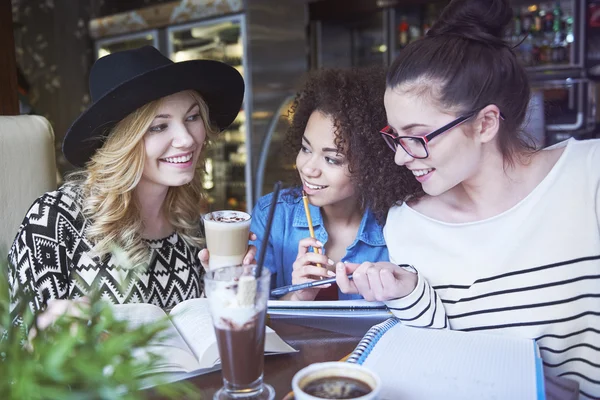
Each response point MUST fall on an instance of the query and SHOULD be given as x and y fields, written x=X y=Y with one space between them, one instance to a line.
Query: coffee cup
x=226 y=237
x=336 y=380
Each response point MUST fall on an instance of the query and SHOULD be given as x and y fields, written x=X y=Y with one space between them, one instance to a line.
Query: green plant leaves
x=93 y=356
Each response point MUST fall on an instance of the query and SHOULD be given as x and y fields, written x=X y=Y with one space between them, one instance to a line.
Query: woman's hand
x=305 y=269
x=381 y=281
x=57 y=308
x=249 y=258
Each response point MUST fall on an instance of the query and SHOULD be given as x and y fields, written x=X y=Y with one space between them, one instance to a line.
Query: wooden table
x=314 y=345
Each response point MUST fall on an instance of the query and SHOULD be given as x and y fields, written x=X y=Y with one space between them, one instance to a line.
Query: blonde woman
x=128 y=223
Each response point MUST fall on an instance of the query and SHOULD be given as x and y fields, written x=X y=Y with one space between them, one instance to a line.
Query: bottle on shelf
x=403 y=29
x=526 y=21
x=548 y=22
x=414 y=33
x=517 y=27
x=539 y=23
x=557 y=18
x=549 y=30
x=430 y=15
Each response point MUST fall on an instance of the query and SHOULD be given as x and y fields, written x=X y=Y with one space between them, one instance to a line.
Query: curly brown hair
x=353 y=98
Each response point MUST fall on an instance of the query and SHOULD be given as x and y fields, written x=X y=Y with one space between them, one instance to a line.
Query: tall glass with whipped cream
x=226 y=237
x=238 y=307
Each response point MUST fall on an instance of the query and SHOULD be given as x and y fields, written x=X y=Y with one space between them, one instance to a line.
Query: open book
x=191 y=343
x=422 y=363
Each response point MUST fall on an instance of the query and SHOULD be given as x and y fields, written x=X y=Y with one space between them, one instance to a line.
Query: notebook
x=420 y=363
x=328 y=309
x=347 y=317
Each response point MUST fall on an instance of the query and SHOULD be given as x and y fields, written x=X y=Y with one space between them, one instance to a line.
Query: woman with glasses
x=336 y=154
x=504 y=238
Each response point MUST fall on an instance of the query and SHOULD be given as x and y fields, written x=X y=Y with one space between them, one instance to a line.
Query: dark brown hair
x=353 y=98
x=464 y=64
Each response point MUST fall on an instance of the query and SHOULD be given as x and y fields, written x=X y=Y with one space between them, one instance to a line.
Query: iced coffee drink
x=226 y=237
x=238 y=305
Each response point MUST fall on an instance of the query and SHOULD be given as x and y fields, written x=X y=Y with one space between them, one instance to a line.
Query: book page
x=192 y=319
x=177 y=355
x=421 y=363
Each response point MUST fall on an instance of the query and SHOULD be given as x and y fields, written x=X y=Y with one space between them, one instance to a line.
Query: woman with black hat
x=127 y=224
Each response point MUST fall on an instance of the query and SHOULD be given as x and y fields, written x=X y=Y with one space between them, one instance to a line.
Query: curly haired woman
x=128 y=224
x=335 y=118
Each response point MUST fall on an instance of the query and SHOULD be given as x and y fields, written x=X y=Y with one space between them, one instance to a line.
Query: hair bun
x=484 y=21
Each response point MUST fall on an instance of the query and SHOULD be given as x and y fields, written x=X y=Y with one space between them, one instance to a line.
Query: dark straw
x=265 y=242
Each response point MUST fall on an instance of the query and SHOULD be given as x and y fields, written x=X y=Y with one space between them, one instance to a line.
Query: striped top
x=532 y=271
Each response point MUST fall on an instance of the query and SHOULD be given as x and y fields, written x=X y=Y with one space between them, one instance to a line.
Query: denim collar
x=369 y=231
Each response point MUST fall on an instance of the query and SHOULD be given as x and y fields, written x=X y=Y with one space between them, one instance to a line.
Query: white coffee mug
x=335 y=369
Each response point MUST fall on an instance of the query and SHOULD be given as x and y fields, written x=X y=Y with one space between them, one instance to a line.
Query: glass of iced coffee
x=226 y=237
x=238 y=306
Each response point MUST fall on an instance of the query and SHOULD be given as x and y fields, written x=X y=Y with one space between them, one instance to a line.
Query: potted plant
x=93 y=356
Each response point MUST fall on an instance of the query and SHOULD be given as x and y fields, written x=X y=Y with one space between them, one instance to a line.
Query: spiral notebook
x=420 y=363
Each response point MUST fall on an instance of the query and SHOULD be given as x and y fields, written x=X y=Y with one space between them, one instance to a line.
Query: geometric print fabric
x=51 y=258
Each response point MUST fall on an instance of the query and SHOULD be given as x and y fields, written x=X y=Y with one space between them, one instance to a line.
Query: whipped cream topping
x=231 y=308
x=228 y=216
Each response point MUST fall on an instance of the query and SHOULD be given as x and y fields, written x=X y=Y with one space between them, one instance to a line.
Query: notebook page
x=416 y=364
x=329 y=309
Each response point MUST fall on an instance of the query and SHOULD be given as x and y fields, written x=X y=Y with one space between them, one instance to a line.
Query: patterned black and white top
x=50 y=257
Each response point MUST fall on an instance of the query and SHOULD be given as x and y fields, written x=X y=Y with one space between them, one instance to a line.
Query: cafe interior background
x=273 y=43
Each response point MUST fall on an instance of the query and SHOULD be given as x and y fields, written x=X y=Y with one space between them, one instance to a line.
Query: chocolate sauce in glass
x=244 y=355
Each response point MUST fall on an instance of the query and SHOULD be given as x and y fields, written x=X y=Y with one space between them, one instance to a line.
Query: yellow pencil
x=309 y=219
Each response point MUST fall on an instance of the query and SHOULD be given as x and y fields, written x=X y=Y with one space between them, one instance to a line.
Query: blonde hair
x=111 y=175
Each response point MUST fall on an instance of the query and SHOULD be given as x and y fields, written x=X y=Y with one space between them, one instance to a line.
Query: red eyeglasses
x=416 y=146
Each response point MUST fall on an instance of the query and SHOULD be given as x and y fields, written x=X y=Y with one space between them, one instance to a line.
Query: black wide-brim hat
x=122 y=82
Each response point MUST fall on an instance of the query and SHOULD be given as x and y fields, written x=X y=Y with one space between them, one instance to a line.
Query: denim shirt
x=290 y=226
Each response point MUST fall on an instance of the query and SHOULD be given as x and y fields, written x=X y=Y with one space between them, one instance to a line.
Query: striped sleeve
x=592 y=167
x=421 y=308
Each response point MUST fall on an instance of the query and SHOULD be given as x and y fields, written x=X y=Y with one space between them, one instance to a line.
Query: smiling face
x=173 y=142
x=324 y=171
x=454 y=156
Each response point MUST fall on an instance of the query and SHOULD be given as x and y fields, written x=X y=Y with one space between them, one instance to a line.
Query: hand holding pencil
x=305 y=269
x=311 y=230
x=308 y=266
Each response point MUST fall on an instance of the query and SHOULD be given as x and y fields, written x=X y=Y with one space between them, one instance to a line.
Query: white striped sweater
x=532 y=271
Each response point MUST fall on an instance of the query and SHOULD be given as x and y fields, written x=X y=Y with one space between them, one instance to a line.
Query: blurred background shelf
x=273 y=43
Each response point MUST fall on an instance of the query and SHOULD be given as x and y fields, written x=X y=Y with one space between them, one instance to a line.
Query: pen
x=309 y=219
x=292 y=288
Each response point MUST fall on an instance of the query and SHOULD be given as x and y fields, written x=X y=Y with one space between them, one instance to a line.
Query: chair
x=27 y=170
